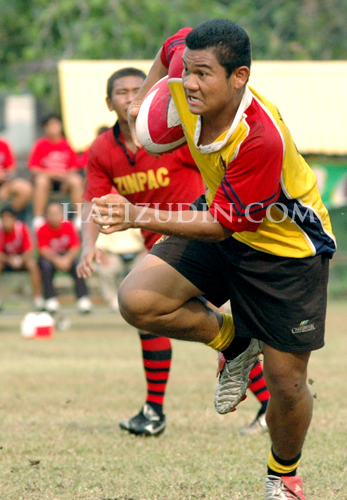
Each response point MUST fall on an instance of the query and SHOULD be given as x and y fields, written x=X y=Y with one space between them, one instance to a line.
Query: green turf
x=61 y=401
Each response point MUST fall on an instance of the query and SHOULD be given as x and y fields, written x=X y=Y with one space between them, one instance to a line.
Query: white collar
x=216 y=146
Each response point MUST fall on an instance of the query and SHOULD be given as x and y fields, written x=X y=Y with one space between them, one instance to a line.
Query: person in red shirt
x=16 y=251
x=16 y=189
x=58 y=245
x=54 y=165
x=116 y=164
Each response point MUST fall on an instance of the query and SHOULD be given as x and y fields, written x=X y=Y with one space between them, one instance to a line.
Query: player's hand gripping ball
x=158 y=125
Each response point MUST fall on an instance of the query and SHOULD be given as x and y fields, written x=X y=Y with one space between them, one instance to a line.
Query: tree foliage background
x=36 y=34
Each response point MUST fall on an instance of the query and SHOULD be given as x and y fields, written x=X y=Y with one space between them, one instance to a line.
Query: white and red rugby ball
x=158 y=125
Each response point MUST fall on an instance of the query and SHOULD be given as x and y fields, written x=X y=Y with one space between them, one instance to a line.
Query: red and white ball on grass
x=158 y=125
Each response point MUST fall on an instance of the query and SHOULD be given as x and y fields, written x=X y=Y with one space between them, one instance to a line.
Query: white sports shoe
x=52 y=305
x=234 y=378
x=84 y=305
x=258 y=426
x=284 y=488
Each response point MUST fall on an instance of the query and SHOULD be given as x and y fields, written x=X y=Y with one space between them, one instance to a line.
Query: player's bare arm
x=114 y=213
x=89 y=253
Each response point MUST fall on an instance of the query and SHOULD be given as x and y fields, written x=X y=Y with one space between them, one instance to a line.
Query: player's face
x=208 y=91
x=123 y=92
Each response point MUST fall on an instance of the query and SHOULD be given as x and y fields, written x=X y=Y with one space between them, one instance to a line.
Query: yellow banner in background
x=310 y=95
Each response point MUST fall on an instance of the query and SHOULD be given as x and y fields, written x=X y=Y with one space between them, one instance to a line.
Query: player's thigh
x=155 y=285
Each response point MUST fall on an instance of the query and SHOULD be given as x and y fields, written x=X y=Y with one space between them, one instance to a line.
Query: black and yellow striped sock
x=225 y=335
x=279 y=467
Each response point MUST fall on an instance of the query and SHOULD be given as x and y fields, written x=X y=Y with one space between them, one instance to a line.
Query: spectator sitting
x=118 y=253
x=58 y=245
x=16 y=251
x=54 y=165
x=17 y=189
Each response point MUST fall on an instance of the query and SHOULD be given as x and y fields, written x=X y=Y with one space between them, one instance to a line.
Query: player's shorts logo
x=162 y=238
x=304 y=327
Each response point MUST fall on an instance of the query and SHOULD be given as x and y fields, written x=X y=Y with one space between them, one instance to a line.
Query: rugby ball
x=158 y=125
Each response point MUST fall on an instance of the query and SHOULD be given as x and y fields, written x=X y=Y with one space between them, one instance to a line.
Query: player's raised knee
x=136 y=306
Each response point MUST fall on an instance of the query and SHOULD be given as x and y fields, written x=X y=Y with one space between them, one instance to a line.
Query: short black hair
x=228 y=40
x=121 y=73
x=51 y=116
x=8 y=210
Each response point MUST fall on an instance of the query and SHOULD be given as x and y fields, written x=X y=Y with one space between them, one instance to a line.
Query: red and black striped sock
x=257 y=385
x=156 y=353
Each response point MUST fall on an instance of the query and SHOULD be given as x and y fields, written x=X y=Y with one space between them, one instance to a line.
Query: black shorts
x=280 y=301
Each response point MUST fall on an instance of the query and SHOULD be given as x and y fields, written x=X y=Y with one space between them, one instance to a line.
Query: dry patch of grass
x=61 y=401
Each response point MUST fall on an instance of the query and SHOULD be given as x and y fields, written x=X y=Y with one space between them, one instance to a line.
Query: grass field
x=61 y=401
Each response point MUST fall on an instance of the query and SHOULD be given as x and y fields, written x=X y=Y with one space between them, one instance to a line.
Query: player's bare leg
x=289 y=410
x=156 y=298
x=289 y=415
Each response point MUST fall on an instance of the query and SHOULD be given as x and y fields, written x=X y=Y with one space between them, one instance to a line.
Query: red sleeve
x=27 y=243
x=74 y=238
x=9 y=160
x=98 y=182
x=35 y=155
x=172 y=44
x=251 y=183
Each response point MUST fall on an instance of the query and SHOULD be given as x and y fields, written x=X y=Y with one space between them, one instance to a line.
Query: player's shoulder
x=262 y=127
x=105 y=139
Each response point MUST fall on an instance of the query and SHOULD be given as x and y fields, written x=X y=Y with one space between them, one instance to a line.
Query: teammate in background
x=15 y=189
x=59 y=245
x=54 y=166
x=115 y=163
x=257 y=385
x=262 y=238
x=16 y=252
